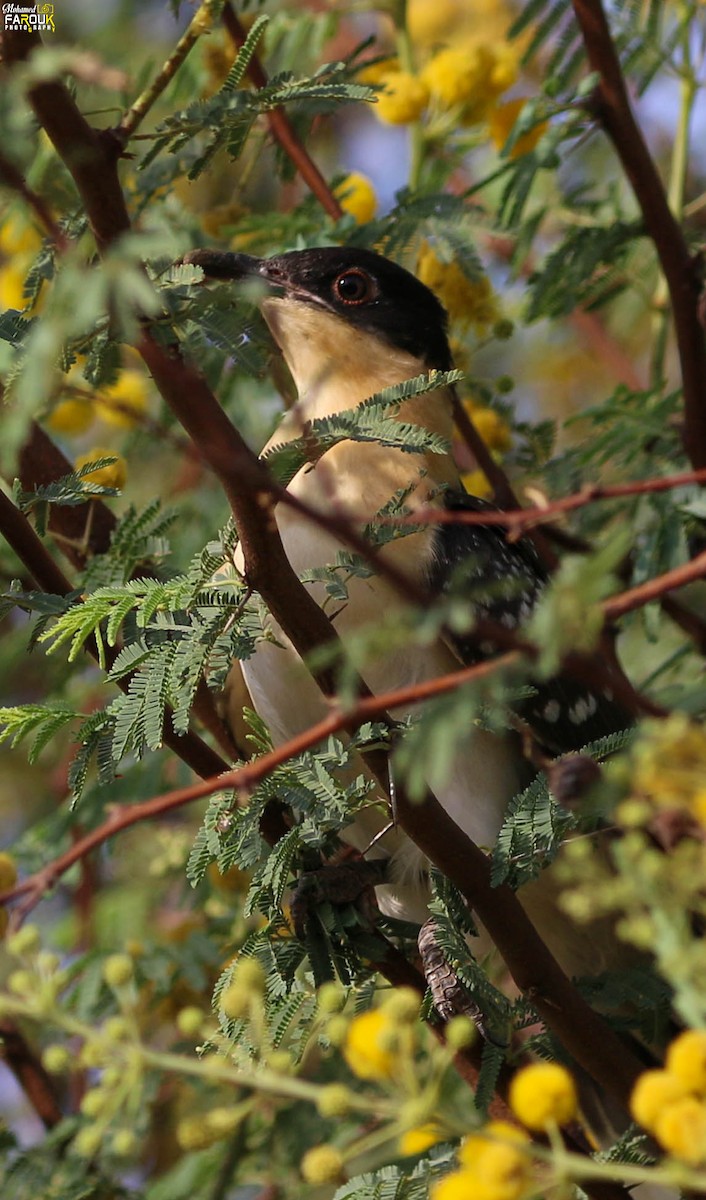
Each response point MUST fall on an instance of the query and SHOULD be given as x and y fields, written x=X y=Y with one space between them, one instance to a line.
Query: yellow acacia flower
x=12 y=281
x=375 y=72
x=468 y=1185
x=432 y=22
x=114 y=475
x=497 y=1156
x=356 y=196
x=681 y=1129
x=669 y=762
x=215 y=221
x=686 y=1058
x=477 y=483
x=8 y=871
x=18 y=236
x=501 y=120
x=470 y=302
x=71 y=416
x=368 y=1048
x=471 y=76
x=652 y=1093
x=123 y=402
x=493 y=428
x=322 y=1164
x=423 y=1137
x=542 y=1095
x=404 y=99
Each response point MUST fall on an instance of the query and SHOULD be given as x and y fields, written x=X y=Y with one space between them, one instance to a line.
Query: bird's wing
x=502 y=581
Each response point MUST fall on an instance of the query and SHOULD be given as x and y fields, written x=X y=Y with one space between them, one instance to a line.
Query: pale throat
x=335 y=365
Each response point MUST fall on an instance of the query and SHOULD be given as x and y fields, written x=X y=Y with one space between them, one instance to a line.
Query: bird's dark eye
x=355 y=287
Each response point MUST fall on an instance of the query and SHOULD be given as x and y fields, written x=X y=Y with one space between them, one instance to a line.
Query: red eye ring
x=354 y=286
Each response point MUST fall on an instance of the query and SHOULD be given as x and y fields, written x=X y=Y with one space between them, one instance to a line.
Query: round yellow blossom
x=334 y=1100
x=192 y=1133
x=542 y=1095
x=375 y=72
x=113 y=475
x=251 y=975
x=322 y=1164
x=368 y=1045
x=681 y=1129
x=471 y=77
x=470 y=302
x=118 y=970
x=652 y=1093
x=497 y=1156
x=467 y=1185
x=189 y=1021
x=22 y=983
x=26 y=941
x=8 y=871
x=404 y=99
x=493 y=428
x=330 y=997
x=218 y=220
x=460 y=1031
x=670 y=761
x=416 y=1141
x=477 y=483
x=71 y=416
x=87 y=1141
x=430 y=21
x=686 y=1058
x=501 y=121
x=123 y=402
x=356 y=196
x=12 y=282
x=17 y=236
x=402 y=1004
x=56 y=1059
x=124 y=1143
x=93 y=1102
x=494 y=1133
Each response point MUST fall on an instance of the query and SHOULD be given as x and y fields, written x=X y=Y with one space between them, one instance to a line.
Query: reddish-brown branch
x=242 y=779
x=519 y=519
x=655 y=588
x=34 y=1080
x=681 y=271
x=12 y=178
x=282 y=129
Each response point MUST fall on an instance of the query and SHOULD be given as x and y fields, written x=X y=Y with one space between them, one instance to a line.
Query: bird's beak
x=223 y=264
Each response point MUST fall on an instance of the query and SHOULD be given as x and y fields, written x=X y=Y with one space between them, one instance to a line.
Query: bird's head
x=345 y=319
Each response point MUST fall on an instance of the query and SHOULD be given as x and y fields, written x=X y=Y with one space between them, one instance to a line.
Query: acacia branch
x=14 y=179
x=281 y=127
x=33 y=1078
x=518 y=520
x=681 y=270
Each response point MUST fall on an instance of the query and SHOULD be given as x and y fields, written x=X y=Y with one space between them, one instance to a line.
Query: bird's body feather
x=340 y=351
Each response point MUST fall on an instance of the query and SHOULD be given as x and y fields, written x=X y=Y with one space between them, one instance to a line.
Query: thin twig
x=281 y=127
x=12 y=178
x=201 y=23
x=681 y=271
